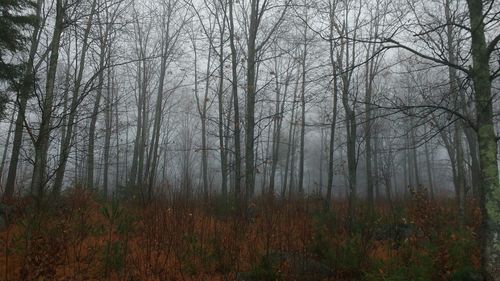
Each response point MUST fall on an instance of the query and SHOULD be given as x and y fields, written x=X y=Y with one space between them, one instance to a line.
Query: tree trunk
x=303 y=116
x=39 y=179
x=139 y=128
x=108 y=122
x=488 y=151
x=7 y=144
x=236 y=105
x=250 y=101
x=471 y=137
x=368 y=137
x=220 y=92
x=202 y=111
x=27 y=87
x=277 y=124
x=460 y=173
x=155 y=136
x=291 y=147
x=89 y=182
x=414 y=157
x=331 y=149
x=429 y=170
x=66 y=145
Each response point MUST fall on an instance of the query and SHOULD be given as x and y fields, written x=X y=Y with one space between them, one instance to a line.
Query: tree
x=482 y=78
x=487 y=139
x=13 y=19
x=77 y=91
x=25 y=92
x=257 y=11
x=39 y=179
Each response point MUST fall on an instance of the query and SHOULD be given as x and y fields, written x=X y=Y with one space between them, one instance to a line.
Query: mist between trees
x=348 y=99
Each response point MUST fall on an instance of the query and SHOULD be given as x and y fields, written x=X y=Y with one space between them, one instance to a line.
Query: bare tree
x=26 y=89
x=39 y=179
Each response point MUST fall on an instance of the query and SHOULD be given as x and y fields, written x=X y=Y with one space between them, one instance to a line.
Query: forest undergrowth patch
x=84 y=238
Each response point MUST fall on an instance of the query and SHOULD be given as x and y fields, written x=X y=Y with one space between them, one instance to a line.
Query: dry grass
x=81 y=238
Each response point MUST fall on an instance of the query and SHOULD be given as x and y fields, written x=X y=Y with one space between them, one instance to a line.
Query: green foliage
x=420 y=267
x=466 y=274
x=15 y=17
x=223 y=206
x=112 y=212
x=325 y=219
x=266 y=269
x=193 y=248
x=460 y=248
x=114 y=256
x=346 y=257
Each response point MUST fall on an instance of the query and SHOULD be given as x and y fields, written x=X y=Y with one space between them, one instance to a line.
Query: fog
x=204 y=106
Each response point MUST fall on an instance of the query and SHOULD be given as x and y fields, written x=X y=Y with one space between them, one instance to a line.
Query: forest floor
x=83 y=238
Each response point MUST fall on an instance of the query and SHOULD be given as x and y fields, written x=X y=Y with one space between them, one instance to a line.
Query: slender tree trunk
x=291 y=146
x=108 y=121
x=64 y=123
x=429 y=170
x=331 y=149
x=406 y=177
x=202 y=111
x=376 y=170
x=204 y=146
x=303 y=116
x=66 y=145
x=139 y=128
x=277 y=124
x=7 y=144
x=292 y=185
x=220 y=92
x=39 y=179
x=266 y=159
x=250 y=100
x=155 y=136
x=414 y=158
x=457 y=138
x=368 y=137
x=471 y=137
x=460 y=172
x=117 y=141
x=22 y=100
x=236 y=104
x=89 y=182
x=143 y=140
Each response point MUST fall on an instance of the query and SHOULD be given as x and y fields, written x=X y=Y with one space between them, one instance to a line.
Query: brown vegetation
x=82 y=238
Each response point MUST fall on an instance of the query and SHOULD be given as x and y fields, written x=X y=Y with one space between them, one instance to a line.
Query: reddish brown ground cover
x=81 y=238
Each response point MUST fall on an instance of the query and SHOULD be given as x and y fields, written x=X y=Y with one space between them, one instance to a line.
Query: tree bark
x=108 y=122
x=303 y=114
x=39 y=179
x=236 y=104
x=220 y=97
x=487 y=141
x=66 y=144
x=290 y=156
x=103 y=50
x=26 y=89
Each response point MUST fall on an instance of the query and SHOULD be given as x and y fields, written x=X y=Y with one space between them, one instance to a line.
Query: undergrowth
x=82 y=237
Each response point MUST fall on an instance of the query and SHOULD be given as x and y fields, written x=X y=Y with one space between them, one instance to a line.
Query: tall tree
x=25 y=92
x=482 y=77
x=15 y=16
x=39 y=179
x=77 y=91
x=257 y=11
